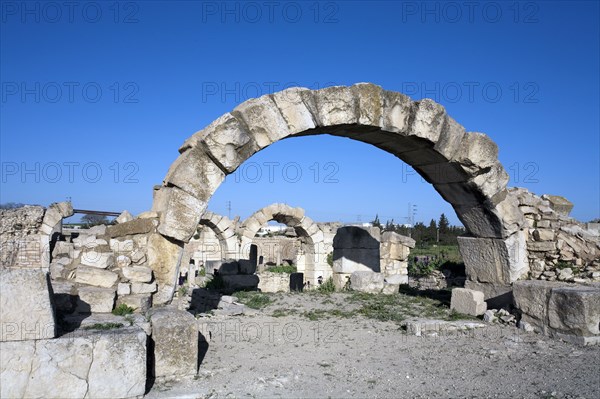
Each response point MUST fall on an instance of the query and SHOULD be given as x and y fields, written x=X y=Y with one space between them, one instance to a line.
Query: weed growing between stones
x=122 y=310
x=253 y=299
x=103 y=326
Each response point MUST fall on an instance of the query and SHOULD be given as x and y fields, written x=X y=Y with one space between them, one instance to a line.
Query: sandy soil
x=261 y=356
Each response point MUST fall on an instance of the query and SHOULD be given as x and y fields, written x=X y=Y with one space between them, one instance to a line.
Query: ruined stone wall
x=25 y=234
x=273 y=282
x=559 y=247
x=277 y=249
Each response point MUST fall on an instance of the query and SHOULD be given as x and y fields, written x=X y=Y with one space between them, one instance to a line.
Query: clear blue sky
x=96 y=98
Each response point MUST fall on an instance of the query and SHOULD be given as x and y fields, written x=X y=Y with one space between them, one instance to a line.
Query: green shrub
x=327 y=287
x=122 y=310
x=330 y=259
x=216 y=283
x=253 y=299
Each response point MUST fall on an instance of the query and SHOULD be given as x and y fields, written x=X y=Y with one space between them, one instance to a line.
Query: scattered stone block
x=96 y=300
x=468 y=302
x=100 y=260
x=143 y=288
x=96 y=277
x=397 y=279
x=125 y=216
x=132 y=227
x=367 y=281
x=389 y=288
x=575 y=310
x=175 y=336
x=26 y=311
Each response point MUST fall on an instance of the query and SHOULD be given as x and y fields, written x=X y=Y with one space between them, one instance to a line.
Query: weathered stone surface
x=336 y=105
x=241 y=282
x=123 y=261
x=140 y=302
x=575 y=310
x=390 y=289
x=25 y=307
x=296 y=114
x=397 y=279
x=123 y=289
x=428 y=120
x=181 y=214
x=357 y=237
x=138 y=274
x=125 y=216
x=163 y=255
x=95 y=365
x=468 y=302
x=352 y=260
x=142 y=288
x=228 y=267
x=367 y=281
x=96 y=259
x=496 y=295
x=175 y=336
x=341 y=280
x=132 y=227
x=96 y=277
x=121 y=246
x=96 y=300
x=559 y=204
x=496 y=261
x=393 y=237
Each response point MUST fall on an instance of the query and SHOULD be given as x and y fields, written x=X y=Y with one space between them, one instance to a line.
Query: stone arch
x=313 y=261
x=462 y=166
x=225 y=230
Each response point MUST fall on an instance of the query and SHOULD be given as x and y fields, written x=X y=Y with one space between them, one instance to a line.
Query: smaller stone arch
x=225 y=230
x=313 y=259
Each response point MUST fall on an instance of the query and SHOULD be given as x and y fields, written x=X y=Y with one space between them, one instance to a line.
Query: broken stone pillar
x=163 y=256
x=26 y=312
x=175 y=337
x=468 y=302
x=494 y=262
x=355 y=249
x=395 y=249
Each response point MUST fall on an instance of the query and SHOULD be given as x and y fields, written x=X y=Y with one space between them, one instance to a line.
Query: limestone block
x=531 y=297
x=541 y=246
x=393 y=237
x=142 y=288
x=125 y=216
x=25 y=308
x=336 y=105
x=96 y=300
x=63 y=248
x=370 y=103
x=450 y=141
x=96 y=365
x=543 y=234
x=181 y=213
x=293 y=109
x=390 y=289
x=132 y=227
x=123 y=261
x=478 y=152
x=496 y=295
x=397 y=279
x=492 y=260
x=139 y=302
x=575 y=310
x=138 y=274
x=96 y=277
x=397 y=109
x=559 y=204
x=123 y=289
x=175 y=336
x=468 y=302
x=121 y=246
x=265 y=122
x=357 y=237
x=351 y=260
x=428 y=121
x=163 y=255
x=94 y=258
x=367 y=281
x=241 y=282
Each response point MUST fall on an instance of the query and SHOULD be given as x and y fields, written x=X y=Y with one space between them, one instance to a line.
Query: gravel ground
x=261 y=356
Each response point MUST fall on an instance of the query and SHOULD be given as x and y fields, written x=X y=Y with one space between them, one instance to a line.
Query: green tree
x=376 y=222
x=93 y=220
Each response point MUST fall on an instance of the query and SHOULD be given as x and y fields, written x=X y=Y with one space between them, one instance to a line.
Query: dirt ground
x=297 y=356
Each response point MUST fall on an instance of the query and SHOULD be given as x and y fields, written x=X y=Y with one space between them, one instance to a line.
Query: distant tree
x=376 y=222
x=443 y=224
x=93 y=220
x=597 y=220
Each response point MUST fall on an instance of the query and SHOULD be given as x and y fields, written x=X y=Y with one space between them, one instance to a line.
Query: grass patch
x=103 y=326
x=282 y=269
x=283 y=312
x=320 y=314
x=122 y=310
x=253 y=299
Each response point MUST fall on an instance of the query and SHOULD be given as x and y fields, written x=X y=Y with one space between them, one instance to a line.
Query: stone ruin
x=520 y=248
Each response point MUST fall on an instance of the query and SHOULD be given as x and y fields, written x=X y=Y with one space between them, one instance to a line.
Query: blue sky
x=98 y=96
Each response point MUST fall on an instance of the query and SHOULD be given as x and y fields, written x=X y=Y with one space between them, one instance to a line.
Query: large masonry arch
x=462 y=166
x=313 y=259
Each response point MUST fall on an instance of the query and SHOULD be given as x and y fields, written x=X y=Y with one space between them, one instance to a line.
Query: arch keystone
x=336 y=105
